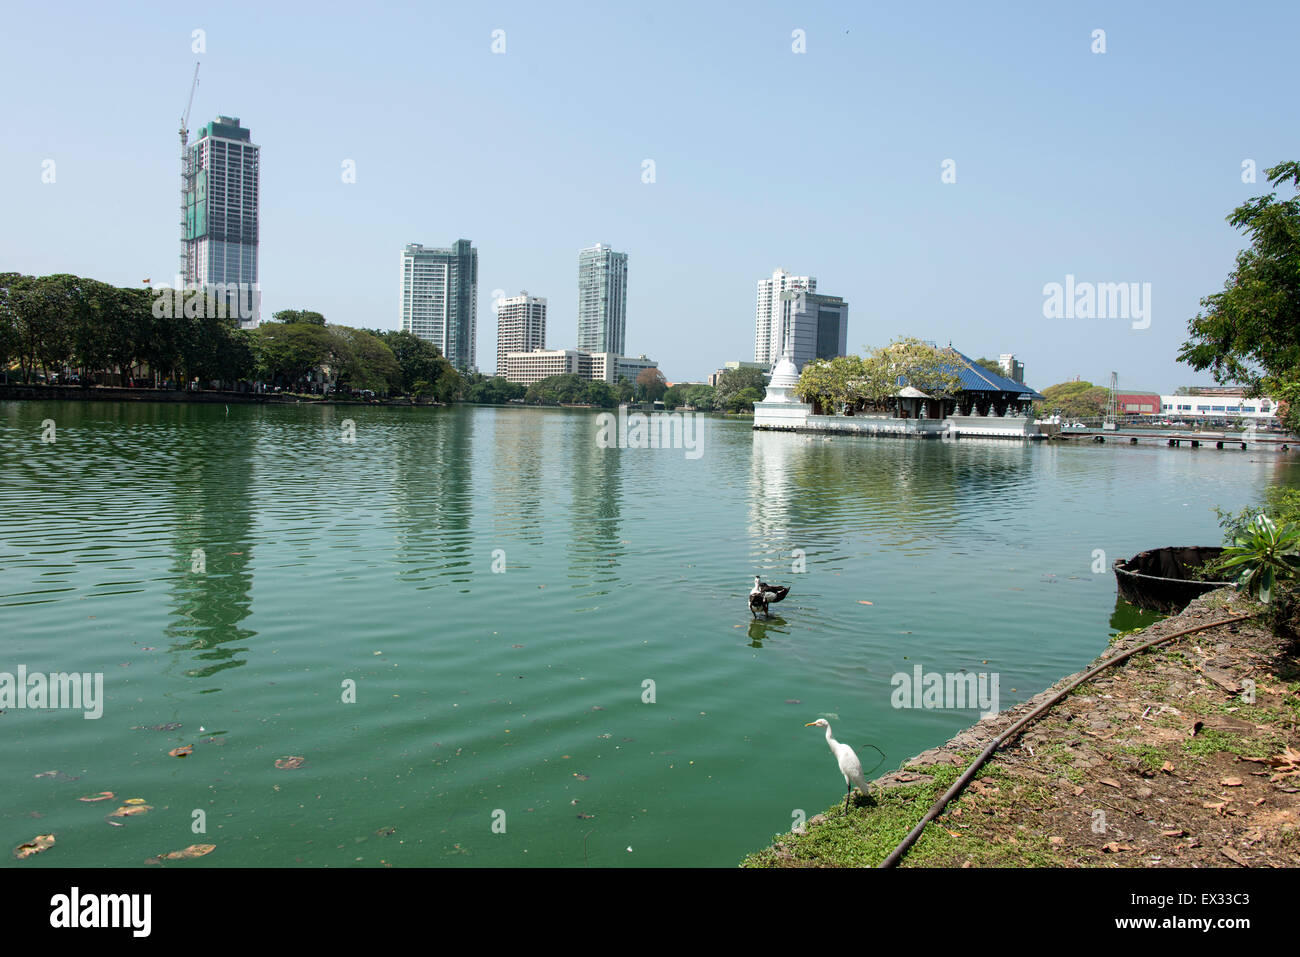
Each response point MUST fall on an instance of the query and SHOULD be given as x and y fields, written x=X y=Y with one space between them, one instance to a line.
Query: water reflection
x=595 y=509
x=212 y=544
x=519 y=447
x=433 y=499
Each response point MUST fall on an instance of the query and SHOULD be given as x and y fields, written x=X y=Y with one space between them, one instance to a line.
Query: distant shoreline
x=75 y=393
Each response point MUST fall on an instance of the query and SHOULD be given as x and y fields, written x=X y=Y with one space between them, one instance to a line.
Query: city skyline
x=943 y=210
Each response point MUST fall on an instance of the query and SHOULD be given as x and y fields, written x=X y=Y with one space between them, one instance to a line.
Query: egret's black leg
x=847 y=795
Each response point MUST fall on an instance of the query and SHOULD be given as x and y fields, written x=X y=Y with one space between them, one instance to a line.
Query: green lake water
x=517 y=696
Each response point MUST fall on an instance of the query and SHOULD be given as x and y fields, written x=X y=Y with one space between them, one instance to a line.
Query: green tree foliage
x=1075 y=400
x=735 y=381
x=831 y=384
x=570 y=389
x=287 y=353
x=299 y=315
x=369 y=363
x=1250 y=332
x=702 y=397
x=600 y=394
x=493 y=390
x=870 y=382
x=564 y=389
x=422 y=361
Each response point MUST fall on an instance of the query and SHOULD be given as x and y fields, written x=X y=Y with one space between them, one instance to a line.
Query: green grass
x=864 y=836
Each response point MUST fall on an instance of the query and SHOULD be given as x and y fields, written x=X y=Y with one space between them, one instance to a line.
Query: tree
x=600 y=394
x=701 y=397
x=651 y=385
x=623 y=390
x=1076 y=400
x=1250 y=332
x=299 y=315
x=734 y=381
x=830 y=384
x=288 y=352
x=493 y=390
x=922 y=366
x=564 y=389
x=417 y=358
x=369 y=363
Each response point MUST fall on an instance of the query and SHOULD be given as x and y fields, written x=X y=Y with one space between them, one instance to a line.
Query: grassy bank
x=1163 y=760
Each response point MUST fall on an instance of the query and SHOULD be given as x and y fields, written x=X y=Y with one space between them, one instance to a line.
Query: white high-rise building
x=521 y=326
x=602 y=299
x=440 y=298
x=772 y=318
x=220 y=184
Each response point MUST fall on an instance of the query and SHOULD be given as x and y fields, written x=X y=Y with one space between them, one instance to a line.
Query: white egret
x=848 y=761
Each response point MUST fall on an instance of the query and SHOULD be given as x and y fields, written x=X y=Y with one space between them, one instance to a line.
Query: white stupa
x=781 y=407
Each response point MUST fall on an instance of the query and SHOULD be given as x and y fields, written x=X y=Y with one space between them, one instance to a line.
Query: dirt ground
x=1163 y=760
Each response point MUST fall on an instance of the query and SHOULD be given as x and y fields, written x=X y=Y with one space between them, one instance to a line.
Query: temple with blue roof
x=986 y=404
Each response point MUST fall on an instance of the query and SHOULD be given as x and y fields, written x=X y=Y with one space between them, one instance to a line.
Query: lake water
x=517 y=697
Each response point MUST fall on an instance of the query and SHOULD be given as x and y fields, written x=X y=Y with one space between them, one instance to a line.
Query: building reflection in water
x=213 y=547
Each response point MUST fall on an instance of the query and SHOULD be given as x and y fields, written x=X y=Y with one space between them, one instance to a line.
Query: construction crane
x=187 y=181
x=185 y=120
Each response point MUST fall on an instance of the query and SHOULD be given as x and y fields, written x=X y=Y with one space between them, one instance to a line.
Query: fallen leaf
x=1178 y=832
x=289 y=763
x=1232 y=782
x=194 y=850
x=134 y=801
x=864 y=603
x=42 y=842
x=1167 y=767
x=101 y=796
x=184 y=751
x=1114 y=847
x=129 y=810
x=1110 y=783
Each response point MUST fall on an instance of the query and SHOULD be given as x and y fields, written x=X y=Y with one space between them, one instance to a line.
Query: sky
x=1111 y=167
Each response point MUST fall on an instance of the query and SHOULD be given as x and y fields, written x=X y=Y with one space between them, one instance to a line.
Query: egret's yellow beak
x=810 y=724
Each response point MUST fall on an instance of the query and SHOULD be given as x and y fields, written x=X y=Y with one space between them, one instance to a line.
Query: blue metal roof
x=976 y=378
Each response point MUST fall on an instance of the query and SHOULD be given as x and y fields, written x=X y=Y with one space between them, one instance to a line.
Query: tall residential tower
x=440 y=298
x=771 y=319
x=220 y=192
x=521 y=326
x=602 y=300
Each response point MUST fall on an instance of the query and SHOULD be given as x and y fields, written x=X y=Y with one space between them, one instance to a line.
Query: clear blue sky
x=1118 y=167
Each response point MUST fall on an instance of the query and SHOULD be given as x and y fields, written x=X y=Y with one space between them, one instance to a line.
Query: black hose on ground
x=897 y=853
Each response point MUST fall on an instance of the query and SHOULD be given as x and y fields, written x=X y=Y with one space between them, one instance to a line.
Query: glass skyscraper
x=220 y=182
x=440 y=298
x=602 y=300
